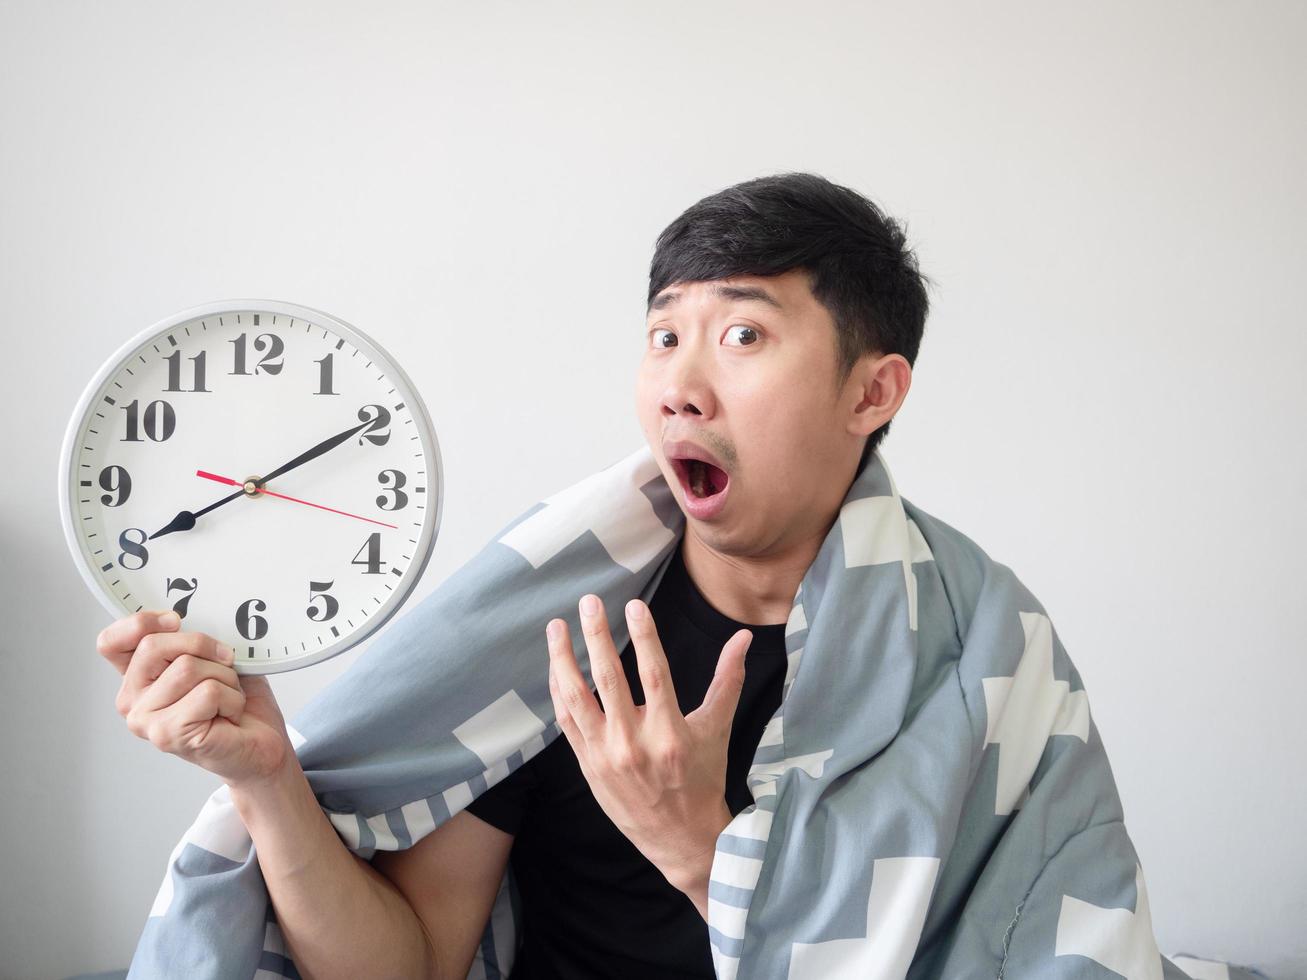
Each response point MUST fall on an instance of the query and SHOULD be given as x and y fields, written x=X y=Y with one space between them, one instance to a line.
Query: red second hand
x=270 y=493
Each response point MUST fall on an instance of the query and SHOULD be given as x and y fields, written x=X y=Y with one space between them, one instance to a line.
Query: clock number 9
x=249 y=625
x=380 y=422
x=401 y=498
x=122 y=486
x=332 y=606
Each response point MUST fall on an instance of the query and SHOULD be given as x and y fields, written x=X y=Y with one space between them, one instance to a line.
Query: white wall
x=1108 y=398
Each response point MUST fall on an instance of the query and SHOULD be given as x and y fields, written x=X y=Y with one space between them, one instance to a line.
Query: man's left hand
x=659 y=775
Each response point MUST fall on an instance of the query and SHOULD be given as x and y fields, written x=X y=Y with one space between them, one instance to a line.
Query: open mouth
x=702 y=480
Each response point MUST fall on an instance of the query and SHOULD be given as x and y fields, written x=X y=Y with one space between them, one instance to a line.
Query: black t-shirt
x=592 y=904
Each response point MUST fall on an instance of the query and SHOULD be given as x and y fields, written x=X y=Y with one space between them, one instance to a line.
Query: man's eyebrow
x=665 y=299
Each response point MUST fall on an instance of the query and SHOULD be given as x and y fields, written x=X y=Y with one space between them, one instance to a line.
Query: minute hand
x=185 y=520
x=313 y=453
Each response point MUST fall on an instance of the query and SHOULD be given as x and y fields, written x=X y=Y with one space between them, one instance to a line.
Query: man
x=784 y=315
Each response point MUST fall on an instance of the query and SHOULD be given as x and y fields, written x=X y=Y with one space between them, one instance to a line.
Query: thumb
x=723 y=695
x=255 y=684
x=259 y=693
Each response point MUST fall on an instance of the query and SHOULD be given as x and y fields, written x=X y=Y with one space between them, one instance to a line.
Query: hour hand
x=184 y=521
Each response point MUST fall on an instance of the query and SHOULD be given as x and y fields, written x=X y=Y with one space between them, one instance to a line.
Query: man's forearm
x=339 y=916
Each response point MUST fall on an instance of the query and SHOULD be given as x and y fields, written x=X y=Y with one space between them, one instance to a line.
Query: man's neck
x=759 y=591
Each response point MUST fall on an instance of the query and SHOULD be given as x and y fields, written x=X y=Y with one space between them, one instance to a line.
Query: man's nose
x=688 y=390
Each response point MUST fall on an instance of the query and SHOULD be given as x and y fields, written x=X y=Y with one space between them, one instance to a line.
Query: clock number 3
x=401 y=498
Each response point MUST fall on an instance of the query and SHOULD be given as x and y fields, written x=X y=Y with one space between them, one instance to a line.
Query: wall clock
x=264 y=469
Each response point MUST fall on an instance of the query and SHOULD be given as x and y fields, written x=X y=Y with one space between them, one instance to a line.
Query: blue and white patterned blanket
x=932 y=798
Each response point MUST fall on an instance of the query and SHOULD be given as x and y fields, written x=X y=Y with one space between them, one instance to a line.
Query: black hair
x=856 y=258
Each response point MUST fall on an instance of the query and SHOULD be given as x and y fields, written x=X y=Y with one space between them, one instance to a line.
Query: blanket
x=931 y=798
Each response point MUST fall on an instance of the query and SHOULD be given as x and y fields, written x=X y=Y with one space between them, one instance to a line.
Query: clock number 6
x=249 y=625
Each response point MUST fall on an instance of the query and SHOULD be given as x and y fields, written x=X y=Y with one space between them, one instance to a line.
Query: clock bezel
x=434 y=497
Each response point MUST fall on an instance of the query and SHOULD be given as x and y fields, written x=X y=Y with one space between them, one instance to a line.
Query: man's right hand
x=181 y=693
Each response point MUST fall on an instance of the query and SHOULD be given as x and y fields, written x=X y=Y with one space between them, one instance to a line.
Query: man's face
x=753 y=383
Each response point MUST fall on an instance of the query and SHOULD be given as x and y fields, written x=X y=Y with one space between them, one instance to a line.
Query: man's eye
x=739 y=326
x=744 y=326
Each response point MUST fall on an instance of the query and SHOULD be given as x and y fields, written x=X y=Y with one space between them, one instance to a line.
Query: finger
x=572 y=688
x=156 y=651
x=655 y=674
x=564 y=717
x=606 y=667
x=723 y=695
x=180 y=676
x=185 y=726
x=568 y=724
x=117 y=640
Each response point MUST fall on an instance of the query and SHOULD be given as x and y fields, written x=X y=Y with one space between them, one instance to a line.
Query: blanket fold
x=931 y=798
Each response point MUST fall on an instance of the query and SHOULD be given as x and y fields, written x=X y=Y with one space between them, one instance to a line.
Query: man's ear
x=881 y=383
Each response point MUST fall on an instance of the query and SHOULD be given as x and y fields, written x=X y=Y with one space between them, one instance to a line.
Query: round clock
x=262 y=468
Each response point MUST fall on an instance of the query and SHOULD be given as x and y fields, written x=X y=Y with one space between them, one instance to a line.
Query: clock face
x=211 y=404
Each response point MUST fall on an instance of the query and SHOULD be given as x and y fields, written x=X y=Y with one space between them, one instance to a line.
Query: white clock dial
x=295 y=568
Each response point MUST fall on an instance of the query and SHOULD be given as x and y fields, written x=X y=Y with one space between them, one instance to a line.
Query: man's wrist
x=698 y=894
x=691 y=876
x=274 y=790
